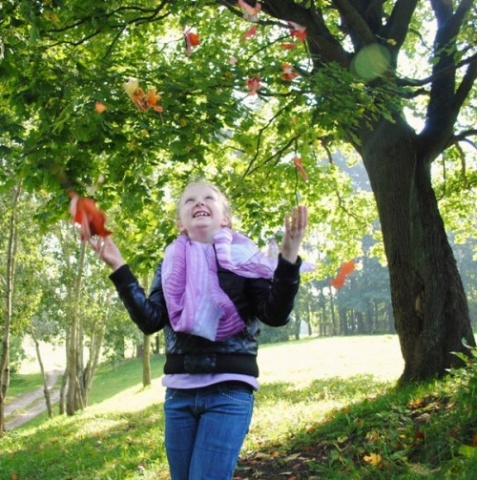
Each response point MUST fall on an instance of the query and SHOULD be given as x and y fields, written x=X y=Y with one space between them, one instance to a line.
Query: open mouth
x=201 y=214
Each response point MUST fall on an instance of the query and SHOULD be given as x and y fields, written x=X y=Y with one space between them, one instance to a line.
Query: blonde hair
x=222 y=198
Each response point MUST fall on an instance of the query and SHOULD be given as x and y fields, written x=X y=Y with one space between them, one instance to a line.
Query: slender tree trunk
x=146 y=361
x=297 y=324
x=146 y=350
x=430 y=309
x=62 y=400
x=72 y=400
x=333 y=315
x=9 y=288
x=44 y=375
x=94 y=356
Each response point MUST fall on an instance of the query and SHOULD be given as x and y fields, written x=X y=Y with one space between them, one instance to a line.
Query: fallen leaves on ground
x=311 y=455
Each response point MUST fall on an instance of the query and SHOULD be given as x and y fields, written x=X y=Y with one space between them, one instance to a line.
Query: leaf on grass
x=262 y=456
x=467 y=451
x=292 y=457
x=374 y=459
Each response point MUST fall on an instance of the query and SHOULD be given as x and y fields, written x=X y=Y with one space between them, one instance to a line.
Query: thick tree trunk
x=429 y=305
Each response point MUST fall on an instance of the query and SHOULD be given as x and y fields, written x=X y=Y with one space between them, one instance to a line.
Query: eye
x=188 y=200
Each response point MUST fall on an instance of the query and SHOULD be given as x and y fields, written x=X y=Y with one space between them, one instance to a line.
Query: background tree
x=362 y=69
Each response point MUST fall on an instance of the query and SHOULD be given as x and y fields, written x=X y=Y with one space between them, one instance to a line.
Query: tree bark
x=73 y=402
x=9 y=288
x=430 y=309
x=44 y=375
x=146 y=361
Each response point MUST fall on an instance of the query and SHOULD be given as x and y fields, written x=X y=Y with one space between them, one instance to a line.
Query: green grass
x=21 y=384
x=326 y=409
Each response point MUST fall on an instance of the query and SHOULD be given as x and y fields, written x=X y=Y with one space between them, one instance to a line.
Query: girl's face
x=201 y=213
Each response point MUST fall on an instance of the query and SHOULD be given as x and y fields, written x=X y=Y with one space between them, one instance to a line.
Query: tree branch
x=399 y=21
x=358 y=28
x=445 y=100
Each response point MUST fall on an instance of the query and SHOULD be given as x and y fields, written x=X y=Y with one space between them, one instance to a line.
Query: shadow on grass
x=379 y=432
x=376 y=433
x=87 y=447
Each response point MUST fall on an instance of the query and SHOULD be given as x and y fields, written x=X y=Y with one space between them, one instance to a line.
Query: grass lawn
x=326 y=409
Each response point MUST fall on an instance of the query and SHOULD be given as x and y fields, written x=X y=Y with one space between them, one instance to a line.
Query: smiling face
x=202 y=211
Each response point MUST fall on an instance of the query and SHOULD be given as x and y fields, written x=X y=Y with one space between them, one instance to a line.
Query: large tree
x=242 y=105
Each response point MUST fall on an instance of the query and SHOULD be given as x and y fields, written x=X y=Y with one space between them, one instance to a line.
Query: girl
x=208 y=294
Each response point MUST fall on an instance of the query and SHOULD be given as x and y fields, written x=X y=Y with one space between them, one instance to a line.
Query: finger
x=93 y=243
x=303 y=216
x=287 y=222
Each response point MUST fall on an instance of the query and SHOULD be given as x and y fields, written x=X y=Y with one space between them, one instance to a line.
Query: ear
x=226 y=221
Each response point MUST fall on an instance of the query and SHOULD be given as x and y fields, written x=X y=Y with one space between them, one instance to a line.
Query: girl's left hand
x=295 y=228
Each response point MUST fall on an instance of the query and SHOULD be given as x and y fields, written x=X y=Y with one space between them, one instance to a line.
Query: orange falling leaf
x=192 y=39
x=85 y=212
x=338 y=282
x=251 y=32
x=253 y=85
x=346 y=269
x=298 y=31
x=100 y=107
x=249 y=13
x=299 y=165
x=288 y=73
x=288 y=46
x=152 y=97
x=142 y=100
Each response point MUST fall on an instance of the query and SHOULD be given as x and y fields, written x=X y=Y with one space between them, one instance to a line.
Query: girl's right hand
x=107 y=251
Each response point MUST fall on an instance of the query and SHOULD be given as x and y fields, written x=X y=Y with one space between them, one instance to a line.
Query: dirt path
x=28 y=406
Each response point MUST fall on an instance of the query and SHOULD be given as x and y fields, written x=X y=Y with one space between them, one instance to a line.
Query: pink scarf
x=194 y=299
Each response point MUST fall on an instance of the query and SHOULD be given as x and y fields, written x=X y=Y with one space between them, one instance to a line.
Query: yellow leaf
x=374 y=459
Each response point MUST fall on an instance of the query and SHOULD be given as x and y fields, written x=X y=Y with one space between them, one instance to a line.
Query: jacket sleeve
x=272 y=302
x=148 y=312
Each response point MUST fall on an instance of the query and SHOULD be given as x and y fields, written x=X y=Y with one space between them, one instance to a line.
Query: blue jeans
x=205 y=429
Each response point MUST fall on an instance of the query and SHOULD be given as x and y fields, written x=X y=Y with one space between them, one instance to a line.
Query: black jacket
x=270 y=301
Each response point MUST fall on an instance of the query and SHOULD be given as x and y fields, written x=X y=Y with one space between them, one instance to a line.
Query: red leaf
x=191 y=39
x=345 y=269
x=85 y=212
x=299 y=165
x=338 y=282
x=288 y=73
x=298 y=31
x=253 y=84
x=251 y=32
